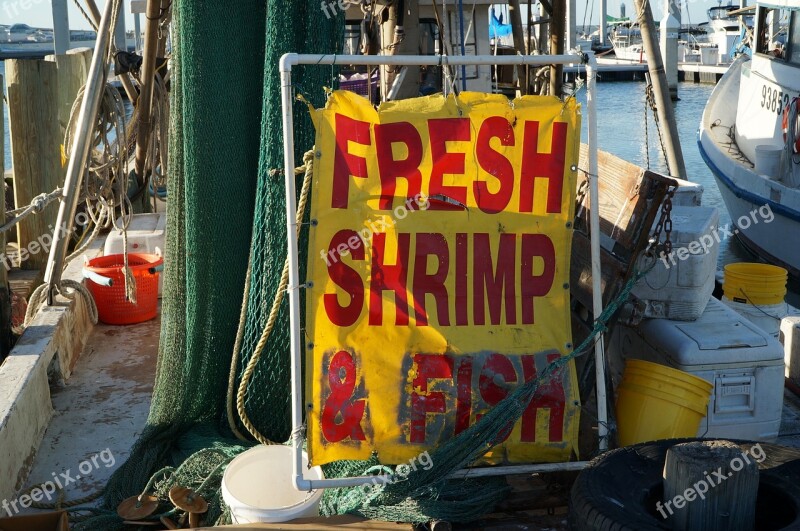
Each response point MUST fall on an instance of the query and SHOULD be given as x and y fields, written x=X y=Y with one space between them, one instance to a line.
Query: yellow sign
x=438 y=273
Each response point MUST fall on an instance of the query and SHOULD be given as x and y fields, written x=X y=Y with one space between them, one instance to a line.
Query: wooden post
x=5 y=264
x=709 y=486
x=73 y=69
x=515 y=14
x=557 y=23
x=36 y=150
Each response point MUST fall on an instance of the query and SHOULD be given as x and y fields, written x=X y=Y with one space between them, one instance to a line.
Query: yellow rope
x=241 y=393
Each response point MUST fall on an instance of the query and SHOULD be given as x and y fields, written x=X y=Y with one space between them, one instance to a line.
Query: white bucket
x=768 y=161
x=257 y=486
x=765 y=316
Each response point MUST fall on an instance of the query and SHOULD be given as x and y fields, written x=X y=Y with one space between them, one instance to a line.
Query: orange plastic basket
x=112 y=305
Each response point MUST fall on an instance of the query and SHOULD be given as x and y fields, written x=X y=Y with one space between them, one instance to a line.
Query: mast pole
x=153 y=16
x=658 y=77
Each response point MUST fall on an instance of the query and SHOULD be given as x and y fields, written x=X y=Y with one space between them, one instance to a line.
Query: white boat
x=626 y=38
x=724 y=30
x=741 y=139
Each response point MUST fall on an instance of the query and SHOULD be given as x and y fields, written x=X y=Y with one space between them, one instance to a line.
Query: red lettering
x=549 y=166
x=345 y=163
x=346 y=278
x=485 y=279
x=431 y=244
x=442 y=131
x=389 y=278
x=492 y=392
x=423 y=401
x=392 y=169
x=341 y=415
x=550 y=396
x=494 y=163
x=535 y=245
x=462 y=250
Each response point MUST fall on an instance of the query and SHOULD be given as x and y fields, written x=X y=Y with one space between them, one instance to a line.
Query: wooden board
x=630 y=200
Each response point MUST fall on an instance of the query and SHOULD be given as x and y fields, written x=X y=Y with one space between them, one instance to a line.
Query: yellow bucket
x=657 y=402
x=754 y=283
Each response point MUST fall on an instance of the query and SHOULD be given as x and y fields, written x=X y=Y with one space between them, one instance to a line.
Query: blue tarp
x=496 y=27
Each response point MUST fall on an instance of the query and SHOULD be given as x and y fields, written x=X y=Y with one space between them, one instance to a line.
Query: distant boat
x=724 y=29
x=718 y=40
x=626 y=38
x=749 y=138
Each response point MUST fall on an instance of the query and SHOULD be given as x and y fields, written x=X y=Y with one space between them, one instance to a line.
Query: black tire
x=618 y=490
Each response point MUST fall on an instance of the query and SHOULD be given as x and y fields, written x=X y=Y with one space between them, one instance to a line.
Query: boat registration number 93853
x=774 y=99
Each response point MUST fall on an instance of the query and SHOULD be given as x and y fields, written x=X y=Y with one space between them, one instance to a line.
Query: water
x=621 y=131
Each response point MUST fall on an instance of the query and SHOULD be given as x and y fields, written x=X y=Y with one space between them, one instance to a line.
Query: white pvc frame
x=288 y=61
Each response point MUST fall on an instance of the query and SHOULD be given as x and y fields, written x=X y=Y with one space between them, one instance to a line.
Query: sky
x=37 y=13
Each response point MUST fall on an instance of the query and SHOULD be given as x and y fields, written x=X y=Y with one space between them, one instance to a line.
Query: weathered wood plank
x=73 y=70
x=696 y=498
x=35 y=147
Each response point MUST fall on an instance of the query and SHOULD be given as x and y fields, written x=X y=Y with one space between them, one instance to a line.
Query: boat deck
x=101 y=410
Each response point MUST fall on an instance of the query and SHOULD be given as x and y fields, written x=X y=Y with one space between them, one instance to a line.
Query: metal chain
x=651 y=100
x=665 y=222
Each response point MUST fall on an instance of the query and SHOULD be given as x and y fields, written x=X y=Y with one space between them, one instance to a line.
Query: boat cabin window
x=773 y=27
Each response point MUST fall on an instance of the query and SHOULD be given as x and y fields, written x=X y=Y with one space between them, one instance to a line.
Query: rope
x=237 y=348
x=38 y=204
x=39 y=298
x=105 y=186
x=61 y=502
x=791 y=131
x=85 y=14
x=307 y=168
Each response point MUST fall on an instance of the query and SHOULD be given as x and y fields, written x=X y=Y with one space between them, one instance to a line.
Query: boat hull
x=764 y=209
x=768 y=240
x=763 y=226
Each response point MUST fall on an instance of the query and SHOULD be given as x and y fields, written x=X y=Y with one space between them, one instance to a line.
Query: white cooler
x=679 y=285
x=146 y=234
x=744 y=363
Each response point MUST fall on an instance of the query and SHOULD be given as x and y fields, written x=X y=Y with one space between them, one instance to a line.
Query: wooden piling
x=73 y=68
x=33 y=113
x=709 y=486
